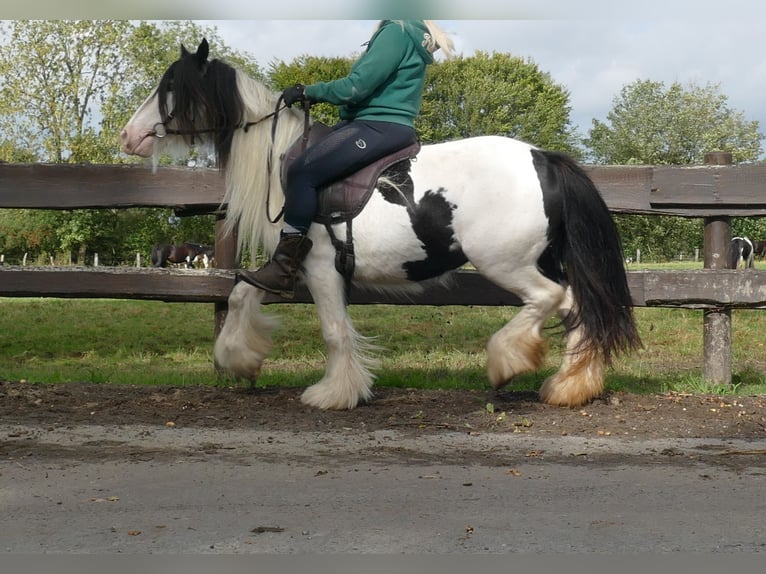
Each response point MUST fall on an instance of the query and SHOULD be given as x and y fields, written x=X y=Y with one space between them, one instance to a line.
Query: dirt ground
x=280 y=409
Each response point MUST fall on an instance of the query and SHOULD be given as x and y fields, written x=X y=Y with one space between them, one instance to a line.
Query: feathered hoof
x=570 y=392
x=323 y=396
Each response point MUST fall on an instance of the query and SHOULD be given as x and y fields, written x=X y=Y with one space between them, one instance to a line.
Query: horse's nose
x=124 y=137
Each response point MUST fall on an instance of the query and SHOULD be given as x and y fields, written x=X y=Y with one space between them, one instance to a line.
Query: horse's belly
x=391 y=247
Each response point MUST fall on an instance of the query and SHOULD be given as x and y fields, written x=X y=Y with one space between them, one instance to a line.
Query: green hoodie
x=386 y=82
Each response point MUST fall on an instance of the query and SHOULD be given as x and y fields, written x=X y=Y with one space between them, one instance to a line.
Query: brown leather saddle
x=342 y=201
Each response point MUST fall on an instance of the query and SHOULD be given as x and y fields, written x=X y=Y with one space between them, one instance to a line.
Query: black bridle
x=161 y=129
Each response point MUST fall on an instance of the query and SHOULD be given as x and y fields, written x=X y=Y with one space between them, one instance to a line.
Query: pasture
x=148 y=343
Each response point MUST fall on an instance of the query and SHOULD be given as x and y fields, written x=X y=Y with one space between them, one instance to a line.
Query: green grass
x=148 y=342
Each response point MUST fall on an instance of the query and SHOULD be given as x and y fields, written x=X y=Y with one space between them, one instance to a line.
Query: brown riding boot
x=278 y=275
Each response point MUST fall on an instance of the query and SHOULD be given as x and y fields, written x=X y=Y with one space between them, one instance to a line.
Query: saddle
x=342 y=201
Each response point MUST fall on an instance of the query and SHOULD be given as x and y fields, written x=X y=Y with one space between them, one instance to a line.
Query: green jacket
x=386 y=82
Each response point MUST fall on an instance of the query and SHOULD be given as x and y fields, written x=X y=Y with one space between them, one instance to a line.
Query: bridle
x=161 y=130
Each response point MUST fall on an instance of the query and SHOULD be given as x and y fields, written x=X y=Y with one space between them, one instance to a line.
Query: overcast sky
x=592 y=58
x=591 y=47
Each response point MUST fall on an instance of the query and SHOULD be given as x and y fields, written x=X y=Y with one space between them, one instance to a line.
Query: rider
x=378 y=102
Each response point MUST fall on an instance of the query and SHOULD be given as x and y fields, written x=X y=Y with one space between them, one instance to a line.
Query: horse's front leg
x=348 y=377
x=245 y=338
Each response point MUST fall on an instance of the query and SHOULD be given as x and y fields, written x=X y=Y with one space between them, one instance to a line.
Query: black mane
x=205 y=97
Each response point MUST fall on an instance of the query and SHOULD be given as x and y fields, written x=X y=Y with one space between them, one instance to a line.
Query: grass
x=148 y=342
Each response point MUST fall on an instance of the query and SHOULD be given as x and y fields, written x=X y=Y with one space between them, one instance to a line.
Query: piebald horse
x=529 y=220
x=741 y=253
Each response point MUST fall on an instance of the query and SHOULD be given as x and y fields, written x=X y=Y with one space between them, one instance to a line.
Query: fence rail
x=715 y=192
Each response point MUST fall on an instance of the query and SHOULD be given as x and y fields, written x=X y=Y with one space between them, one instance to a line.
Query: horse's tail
x=747 y=253
x=591 y=254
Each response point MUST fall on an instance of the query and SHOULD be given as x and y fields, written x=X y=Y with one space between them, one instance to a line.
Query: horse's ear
x=202 y=51
x=184 y=51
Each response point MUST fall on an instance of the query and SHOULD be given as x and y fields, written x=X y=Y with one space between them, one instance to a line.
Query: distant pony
x=185 y=254
x=740 y=253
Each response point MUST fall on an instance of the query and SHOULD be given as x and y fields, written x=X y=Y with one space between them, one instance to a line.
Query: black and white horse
x=528 y=219
x=741 y=254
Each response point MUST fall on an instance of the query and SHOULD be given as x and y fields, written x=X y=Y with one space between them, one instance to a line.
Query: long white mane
x=253 y=170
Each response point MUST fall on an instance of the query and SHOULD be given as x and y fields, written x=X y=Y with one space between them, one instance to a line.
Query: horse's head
x=196 y=100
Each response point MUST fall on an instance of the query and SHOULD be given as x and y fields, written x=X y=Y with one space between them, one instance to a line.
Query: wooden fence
x=715 y=192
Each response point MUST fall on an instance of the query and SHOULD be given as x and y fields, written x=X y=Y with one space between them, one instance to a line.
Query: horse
x=185 y=254
x=528 y=219
x=206 y=257
x=759 y=249
x=741 y=253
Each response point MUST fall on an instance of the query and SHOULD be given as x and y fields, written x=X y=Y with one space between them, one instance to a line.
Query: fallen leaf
x=262 y=529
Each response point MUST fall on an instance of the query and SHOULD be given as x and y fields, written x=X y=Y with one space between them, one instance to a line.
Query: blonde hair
x=439 y=40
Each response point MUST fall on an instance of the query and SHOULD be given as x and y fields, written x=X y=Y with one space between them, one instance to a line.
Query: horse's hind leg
x=519 y=346
x=348 y=377
x=580 y=378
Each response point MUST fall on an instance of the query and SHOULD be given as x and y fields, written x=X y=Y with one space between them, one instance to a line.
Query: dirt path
x=659 y=416
x=103 y=469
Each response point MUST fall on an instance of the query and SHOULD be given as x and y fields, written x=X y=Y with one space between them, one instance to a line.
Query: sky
x=593 y=59
x=593 y=48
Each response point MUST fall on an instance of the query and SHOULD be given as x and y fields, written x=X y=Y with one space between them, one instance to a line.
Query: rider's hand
x=294 y=94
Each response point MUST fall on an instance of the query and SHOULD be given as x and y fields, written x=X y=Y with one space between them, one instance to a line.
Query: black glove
x=294 y=94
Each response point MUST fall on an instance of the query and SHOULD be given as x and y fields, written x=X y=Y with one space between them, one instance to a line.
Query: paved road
x=141 y=489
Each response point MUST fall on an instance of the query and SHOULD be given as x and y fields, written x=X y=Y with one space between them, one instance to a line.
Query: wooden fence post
x=225 y=253
x=717 y=322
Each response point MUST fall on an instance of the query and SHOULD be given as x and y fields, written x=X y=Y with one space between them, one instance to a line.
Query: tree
x=67 y=87
x=309 y=70
x=657 y=125
x=54 y=74
x=654 y=124
x=495 y=94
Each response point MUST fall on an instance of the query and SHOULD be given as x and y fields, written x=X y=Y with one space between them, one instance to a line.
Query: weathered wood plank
x=704 y=289
x=64 y=186
x=192 y=286
x=698 y=289
x=704 y=191
x=709 y=186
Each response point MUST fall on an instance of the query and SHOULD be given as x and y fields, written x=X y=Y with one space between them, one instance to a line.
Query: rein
x=304 y=143
x=161 y=130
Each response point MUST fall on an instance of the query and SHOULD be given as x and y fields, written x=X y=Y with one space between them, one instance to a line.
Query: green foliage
x=67 y=89
x=55 y=73
x=310 y=70
x=495 y=94
x=653 y=124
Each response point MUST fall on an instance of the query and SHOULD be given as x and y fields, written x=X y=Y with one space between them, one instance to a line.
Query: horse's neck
x=253 y=171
